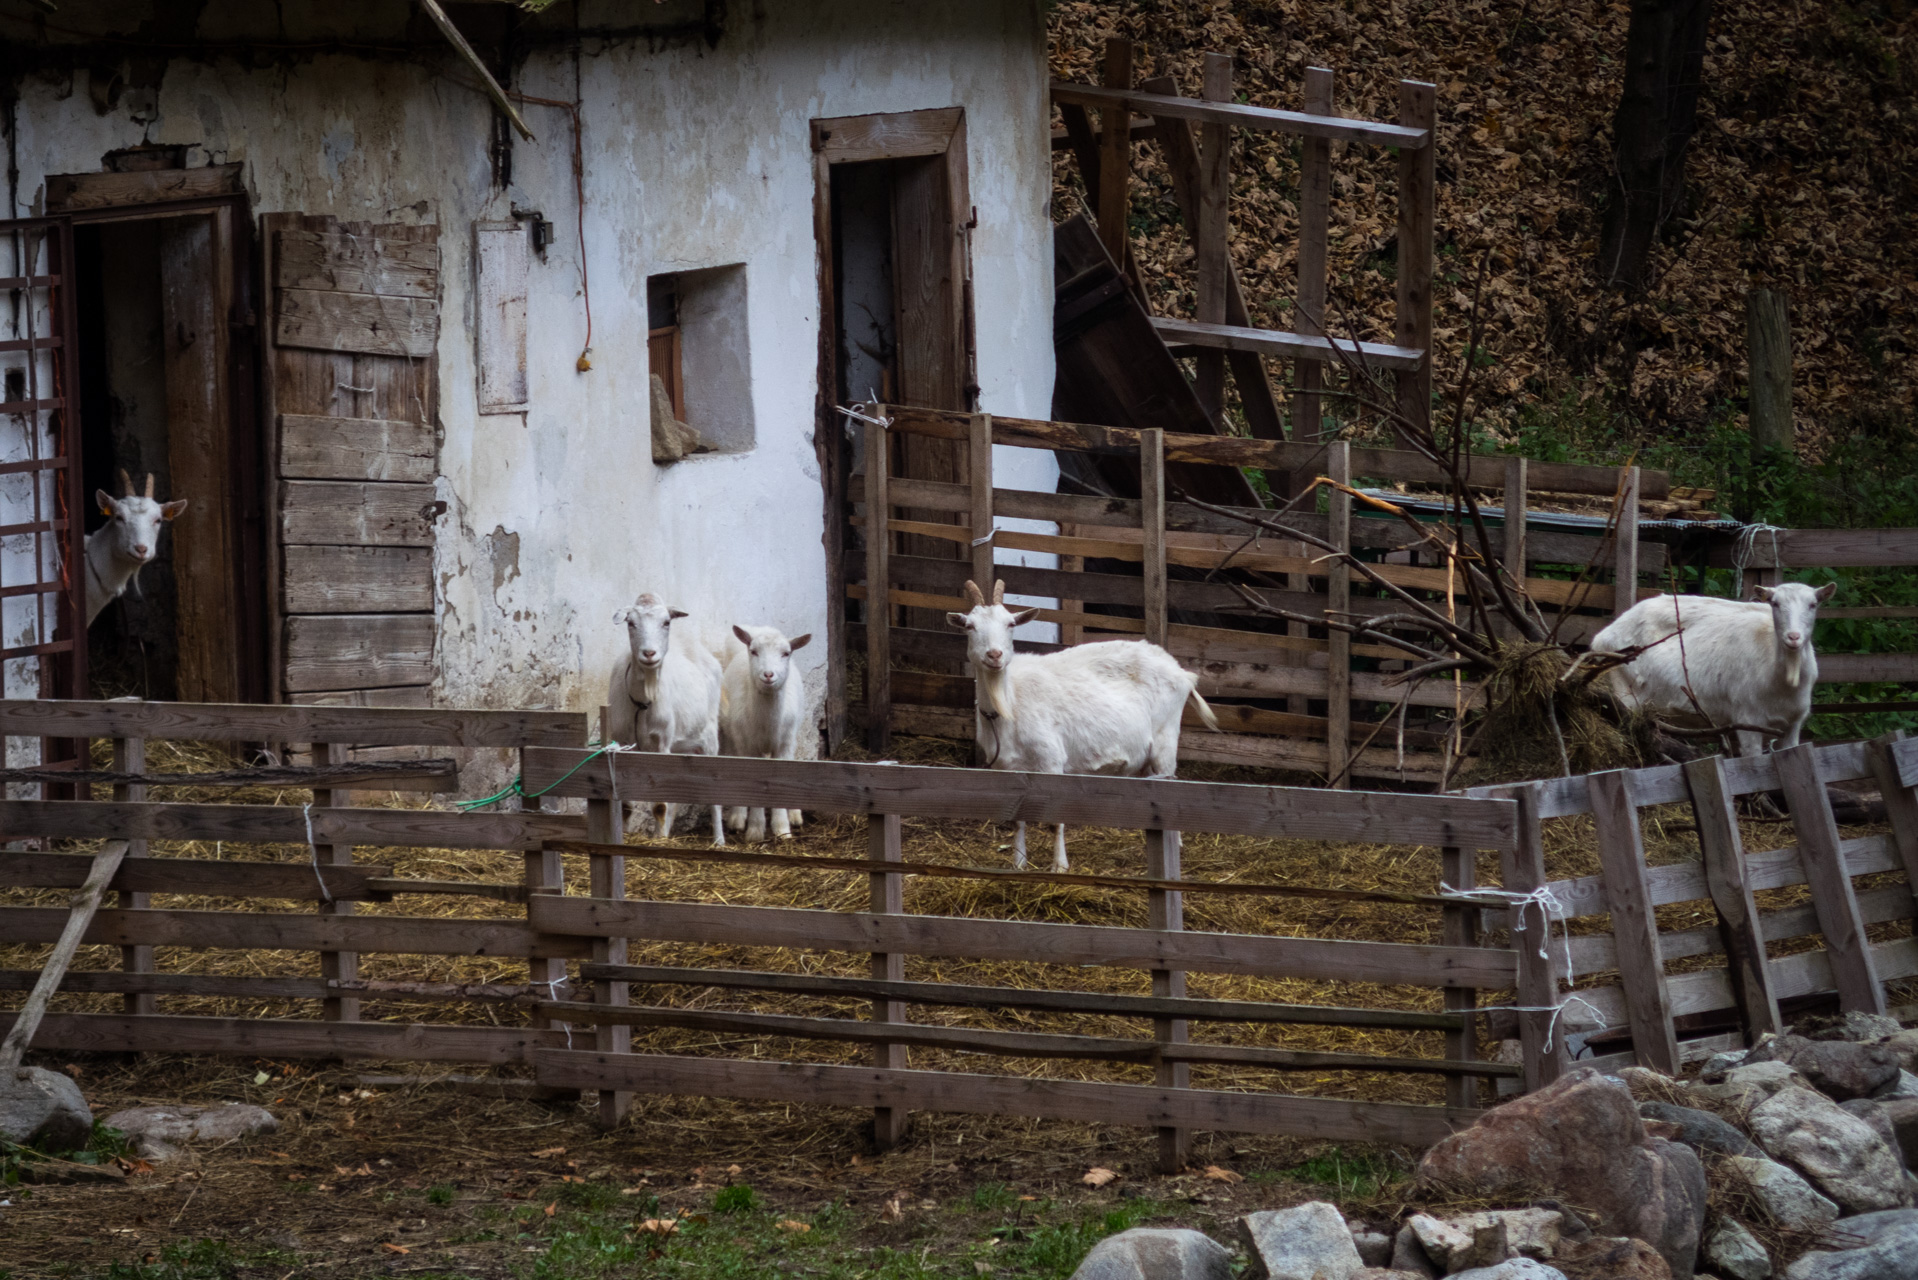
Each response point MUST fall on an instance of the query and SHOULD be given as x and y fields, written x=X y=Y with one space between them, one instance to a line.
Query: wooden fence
x=1238 y=656
x=584 y=1043
x=1672 y=1017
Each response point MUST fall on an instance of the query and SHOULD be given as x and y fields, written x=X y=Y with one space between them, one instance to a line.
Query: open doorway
x=161 y=375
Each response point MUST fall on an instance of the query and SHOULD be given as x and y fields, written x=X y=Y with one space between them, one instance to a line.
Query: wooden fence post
x=1820 y=848
x=1460 y=871
x=1768 y=348
x=888 y=896
x=1315 y=214
x=1641 y=963
x=1738 y=927
x=1165 y=909
x=1541 y=1042
x=130 y=756
x=1210 y=244
x=1901 y=807
x=979 y=478
x=545 y=872
x=1515 y=519
x=1115 y=154
x=1338 y=644
x=1152 y=526
x=878 y=587
x=608 y=880
x=1625 y=543
x=335 y=966
x=1417 y=182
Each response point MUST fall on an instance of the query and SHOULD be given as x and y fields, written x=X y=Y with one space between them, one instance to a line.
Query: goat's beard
x=997 y=690
x=1794 y=667
x=644 y=683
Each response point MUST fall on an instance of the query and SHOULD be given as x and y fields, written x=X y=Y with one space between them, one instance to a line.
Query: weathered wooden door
x=353 y=398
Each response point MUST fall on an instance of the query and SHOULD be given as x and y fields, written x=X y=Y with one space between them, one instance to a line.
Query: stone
x=1440 y=1240
x=1489 y=1247
x=1530 y=1233
x=1383 y=1273
x=1750 y=1083
x=1868 y=1228
x=1849 y=1025
x=1409 y=1255
x=1516 y=1269
x=1734 y=1250
x=1839 y=1069
x=1791 y=1202
x=45 y=1110
x=1647 y=1083
x=1719 y=1063
x=1701 y=1130
x=672 y=439
x=1893 y=1256
x=1306 y=1242
x=1375 y=1248
x=1903 y=1114
x=1157 y=1253
x=164 y=1132
x=1612 y=1258
x=1873 y=1113
x=1581 y=1140
x=1903 y=1085
x=1905 y=1046
x=1841 y=1154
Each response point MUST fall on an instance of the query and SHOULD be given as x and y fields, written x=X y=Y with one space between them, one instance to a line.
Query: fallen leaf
x=261 y=1077
x=658 y=1226
x=1217 y=1174
x=1098 y=1177
x=892 y=1211
x=550 y=1151
x=733 y=1171
x=396 y=1248
x=1028 y=1199
x=552 y=1208
x=788 y=1224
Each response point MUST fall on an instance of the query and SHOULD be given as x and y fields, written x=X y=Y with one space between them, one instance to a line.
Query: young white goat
x=1746 y=662
x=664 y=695
x=1111 y=707
x=119 y=549
x=764 y=707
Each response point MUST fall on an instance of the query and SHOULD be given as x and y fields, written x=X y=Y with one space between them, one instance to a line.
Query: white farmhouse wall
x=695 y=157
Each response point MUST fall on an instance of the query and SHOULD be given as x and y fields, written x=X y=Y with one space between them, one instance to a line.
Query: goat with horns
x=127 y=543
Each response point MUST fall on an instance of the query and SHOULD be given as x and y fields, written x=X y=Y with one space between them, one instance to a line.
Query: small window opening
x=698 y=347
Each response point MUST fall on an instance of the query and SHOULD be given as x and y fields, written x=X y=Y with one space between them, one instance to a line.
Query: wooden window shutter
x=501 y=260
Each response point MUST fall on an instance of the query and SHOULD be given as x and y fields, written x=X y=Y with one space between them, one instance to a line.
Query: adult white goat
x=126 y=543
x=1111 y=707
x=763 y=710
x=664 y=694
x=1747 y=663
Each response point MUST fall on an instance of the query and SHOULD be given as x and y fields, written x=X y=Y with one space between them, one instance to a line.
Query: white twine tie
x=1549 y=909
x=313 y=851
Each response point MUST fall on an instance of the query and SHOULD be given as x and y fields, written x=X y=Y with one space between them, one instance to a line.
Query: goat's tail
x=1199 y=705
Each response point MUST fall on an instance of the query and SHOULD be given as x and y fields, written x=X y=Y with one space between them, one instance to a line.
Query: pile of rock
x=1806 y=1141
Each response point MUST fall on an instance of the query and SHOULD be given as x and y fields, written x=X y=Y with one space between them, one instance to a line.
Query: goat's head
x=770 y=655
x=649 y=626
x=988 y=627
x=1794 y=612
x=133 y=529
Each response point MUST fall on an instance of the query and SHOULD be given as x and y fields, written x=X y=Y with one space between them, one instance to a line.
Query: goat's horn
x=974 y=596
x=126 y=483
x=999 y=591
x=149 y=484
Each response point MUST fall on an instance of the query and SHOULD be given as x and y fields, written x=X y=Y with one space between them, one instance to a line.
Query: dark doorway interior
x=133 y=647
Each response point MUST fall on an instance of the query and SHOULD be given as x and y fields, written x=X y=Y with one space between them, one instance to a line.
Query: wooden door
x=353 y=399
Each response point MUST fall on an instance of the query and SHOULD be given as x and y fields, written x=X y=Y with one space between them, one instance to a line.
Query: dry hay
x=1535 y=727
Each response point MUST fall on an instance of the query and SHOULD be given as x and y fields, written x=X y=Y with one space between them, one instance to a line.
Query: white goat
x=664 y=695
x=764 y=706
x=119 y=549
x=1747 y=663
x=1111 y=707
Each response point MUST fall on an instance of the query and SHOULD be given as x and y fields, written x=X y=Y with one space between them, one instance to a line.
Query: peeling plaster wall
x=694 y=157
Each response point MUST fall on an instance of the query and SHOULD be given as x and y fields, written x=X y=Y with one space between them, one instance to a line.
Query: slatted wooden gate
x=353 y=396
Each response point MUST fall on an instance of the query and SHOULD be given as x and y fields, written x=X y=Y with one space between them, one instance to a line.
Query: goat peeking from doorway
x=129 y=540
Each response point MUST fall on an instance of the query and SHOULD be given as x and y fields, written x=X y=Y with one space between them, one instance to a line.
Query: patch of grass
x=442 y=1194
x=595 y=1197
x=738 y=1198
x=183 y=1260
x=988 y=1197
x=1351 y=1176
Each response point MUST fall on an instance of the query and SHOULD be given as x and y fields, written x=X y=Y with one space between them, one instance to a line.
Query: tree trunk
x=1768 y=343
x=1657 y=109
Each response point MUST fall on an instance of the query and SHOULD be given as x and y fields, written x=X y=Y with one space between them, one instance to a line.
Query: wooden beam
x=1625 y=535
x=1241 y=115
x=1277 y=342
x=1115 y=153
x=1338 y=644
x=85 y=903
x=887 y=894
x=1738 y=921
x=289 y=1038
x=979 y=484
x=1641 y=967
x=1212 y=234
x=1315 y=205
x=1901 y=805
x=1542 y=1042
x=1152 y=533
x=878 y=612
x=1460 y=929
x=1831 y=893
x=472 y=59
x=606 y=880
x=1417 y=195
x=361 y=726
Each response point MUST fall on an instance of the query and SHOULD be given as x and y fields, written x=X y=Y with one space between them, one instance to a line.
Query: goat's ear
x=106 y=503
x=1024 y=616
x=1762 y=594
x=173 y=509
x=675 y=613
x=744 y=638
x=963 y=621
x=801 y=641
x=1824 y=592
